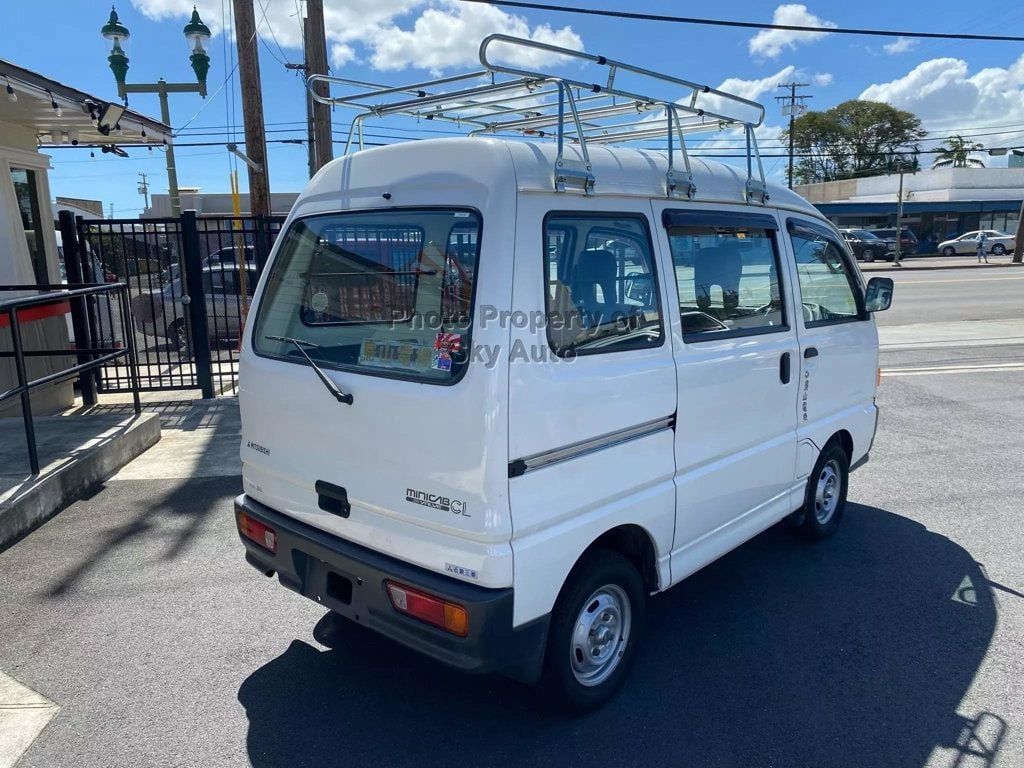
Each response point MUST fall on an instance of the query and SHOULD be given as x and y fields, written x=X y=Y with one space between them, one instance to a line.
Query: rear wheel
x=998 y=249
x=594 y=631
x=825 y=497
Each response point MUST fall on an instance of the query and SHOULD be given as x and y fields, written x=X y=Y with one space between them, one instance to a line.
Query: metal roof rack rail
x=503 y=99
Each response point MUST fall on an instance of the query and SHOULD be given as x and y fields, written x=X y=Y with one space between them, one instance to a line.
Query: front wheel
x=825 y=497
x=594 y=631
x=949 y=251
x=868 y=255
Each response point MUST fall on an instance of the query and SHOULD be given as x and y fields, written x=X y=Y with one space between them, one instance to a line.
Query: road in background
x=896 y=643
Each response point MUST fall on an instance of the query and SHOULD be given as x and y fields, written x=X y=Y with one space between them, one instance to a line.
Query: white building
x=35 y=113
x=937 y=204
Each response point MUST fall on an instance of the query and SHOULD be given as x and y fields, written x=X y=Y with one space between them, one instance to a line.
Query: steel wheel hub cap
x=826 y=494
x=600 y=635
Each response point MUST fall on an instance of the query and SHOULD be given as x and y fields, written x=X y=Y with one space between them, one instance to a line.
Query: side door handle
x=810 y=352
x=784 y=368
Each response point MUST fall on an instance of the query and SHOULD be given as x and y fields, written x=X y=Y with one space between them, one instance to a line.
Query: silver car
x=997 y=243
x=163 y=312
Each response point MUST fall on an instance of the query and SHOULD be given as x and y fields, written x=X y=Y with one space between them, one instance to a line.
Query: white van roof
x=479 y=161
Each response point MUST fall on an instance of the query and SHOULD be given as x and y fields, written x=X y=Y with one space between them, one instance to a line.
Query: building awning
x=75 y=118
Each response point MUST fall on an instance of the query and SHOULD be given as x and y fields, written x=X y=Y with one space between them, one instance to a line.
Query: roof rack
x=503 y=99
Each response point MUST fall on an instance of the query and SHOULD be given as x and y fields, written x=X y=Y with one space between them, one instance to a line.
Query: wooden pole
x=316 y=62
x=252 y=107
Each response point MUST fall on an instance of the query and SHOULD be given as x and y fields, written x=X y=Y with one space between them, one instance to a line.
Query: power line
x=745 y=24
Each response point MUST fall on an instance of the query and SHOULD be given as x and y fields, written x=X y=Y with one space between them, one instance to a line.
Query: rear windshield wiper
x=341 y=397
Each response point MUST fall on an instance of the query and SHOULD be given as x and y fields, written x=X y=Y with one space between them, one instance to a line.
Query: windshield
x=387 y=292
x=863 y=234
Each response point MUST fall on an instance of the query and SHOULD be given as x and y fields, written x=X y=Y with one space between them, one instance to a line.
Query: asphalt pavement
x=896 y=643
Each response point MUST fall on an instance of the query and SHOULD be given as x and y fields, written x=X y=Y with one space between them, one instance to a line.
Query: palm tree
x=956 y=153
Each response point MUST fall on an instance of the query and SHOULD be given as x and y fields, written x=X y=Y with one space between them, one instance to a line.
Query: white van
x=488 y=411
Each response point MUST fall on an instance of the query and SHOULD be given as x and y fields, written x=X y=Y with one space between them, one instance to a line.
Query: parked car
x=908 y=240
x=223 y=256
x=997 y=243
x=867 y=246
x=513 y=516
x=162 y=313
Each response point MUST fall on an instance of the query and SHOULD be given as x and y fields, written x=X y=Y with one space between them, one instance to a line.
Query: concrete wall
x=18 y=150
x=215 y=204
x=936 y=185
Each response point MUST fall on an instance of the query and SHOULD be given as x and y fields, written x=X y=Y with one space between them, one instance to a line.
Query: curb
x=914 y=267
x=51 y=492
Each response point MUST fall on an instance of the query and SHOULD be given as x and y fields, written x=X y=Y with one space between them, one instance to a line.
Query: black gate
x=185 y=279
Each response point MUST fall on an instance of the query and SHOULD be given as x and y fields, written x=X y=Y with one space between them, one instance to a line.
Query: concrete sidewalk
x=76 y=451
x=967 y=261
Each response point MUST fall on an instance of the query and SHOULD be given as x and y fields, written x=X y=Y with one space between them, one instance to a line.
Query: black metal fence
x=188 y=294
x=88 y=359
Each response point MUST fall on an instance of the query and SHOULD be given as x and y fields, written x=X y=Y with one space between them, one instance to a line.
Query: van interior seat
x=595 y=268
x=720 y=265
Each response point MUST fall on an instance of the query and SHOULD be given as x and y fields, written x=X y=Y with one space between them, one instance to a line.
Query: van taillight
x=257 y=532
x=433 y=610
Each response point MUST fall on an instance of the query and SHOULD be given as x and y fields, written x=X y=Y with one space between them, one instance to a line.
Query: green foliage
x=852 y=139
x=956 y=153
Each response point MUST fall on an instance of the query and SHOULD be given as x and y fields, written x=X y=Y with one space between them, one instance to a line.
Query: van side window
x=602 y=293
x=728 y=279
x=827 y=285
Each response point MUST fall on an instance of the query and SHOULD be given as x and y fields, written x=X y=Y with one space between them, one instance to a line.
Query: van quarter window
x=602 y=293
x=728 y=279
x=827 y=284
x=388 y=293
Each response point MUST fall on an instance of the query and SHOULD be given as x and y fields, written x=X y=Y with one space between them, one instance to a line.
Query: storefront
x=38 y=113
x=937 y=204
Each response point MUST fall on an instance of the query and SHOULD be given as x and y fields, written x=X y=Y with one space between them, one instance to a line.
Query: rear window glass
x=387 y=292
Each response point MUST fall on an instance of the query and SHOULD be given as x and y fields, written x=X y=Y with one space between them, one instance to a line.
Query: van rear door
x=381 y=302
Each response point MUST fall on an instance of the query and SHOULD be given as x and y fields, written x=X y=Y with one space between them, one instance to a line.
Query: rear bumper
x=349 y=579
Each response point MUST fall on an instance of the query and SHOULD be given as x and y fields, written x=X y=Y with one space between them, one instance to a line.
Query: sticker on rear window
x=407 y=355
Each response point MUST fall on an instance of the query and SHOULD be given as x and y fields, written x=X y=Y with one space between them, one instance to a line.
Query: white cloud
x=823 y=79
x=770 y=43
x=448 y=37
x=948 y=98
x=900 y=45
x=385 y=33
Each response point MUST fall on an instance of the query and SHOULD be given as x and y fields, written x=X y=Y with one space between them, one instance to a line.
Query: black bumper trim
x=310 y=562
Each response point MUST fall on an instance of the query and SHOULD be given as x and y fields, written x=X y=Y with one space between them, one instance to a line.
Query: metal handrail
x=99 y=356
x=516 y=101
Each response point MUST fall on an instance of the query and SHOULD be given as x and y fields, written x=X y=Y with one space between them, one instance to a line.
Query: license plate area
x=339 y=588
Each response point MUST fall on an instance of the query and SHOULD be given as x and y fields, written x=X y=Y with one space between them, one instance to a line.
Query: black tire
x=177 y=334
x=998 y=249
x=867 y=254
x=814 y=521
x=597 y=570
x=949 y=250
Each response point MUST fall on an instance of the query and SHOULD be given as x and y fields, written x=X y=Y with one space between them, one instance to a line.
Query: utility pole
x=252 y=107
x=111 y=215
x=1018 y=248
x=793 y=106
x=899 y=223
x=316 y=64
x=144 y=189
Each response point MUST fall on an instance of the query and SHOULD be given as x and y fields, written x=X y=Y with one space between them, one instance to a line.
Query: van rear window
x=388 y=292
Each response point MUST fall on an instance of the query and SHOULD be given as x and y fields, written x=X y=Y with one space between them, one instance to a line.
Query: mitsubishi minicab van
x=497 y=392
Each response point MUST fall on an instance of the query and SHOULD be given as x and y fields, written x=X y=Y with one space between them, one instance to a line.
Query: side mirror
x=878 y=296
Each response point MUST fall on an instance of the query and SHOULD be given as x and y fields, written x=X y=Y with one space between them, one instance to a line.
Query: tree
x=852 y=139
x=956 y=153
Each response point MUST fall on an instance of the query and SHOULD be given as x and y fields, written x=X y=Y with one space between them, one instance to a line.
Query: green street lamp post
x=198 y=35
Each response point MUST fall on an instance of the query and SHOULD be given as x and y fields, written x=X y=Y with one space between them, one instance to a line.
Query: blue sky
x=966 y=87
